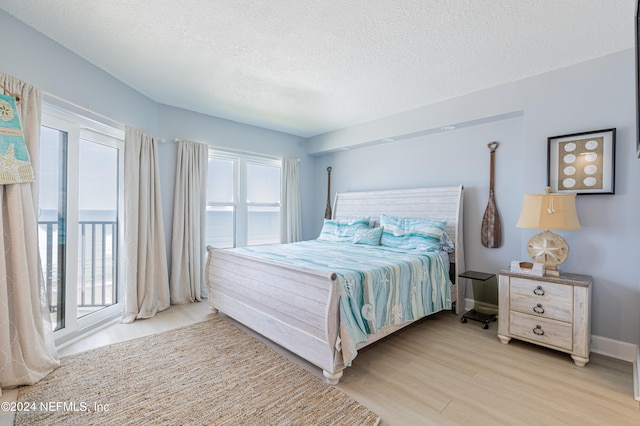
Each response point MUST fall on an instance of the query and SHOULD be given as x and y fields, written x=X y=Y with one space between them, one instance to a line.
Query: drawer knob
x=538 y=309
x=538 y=291
x=538 y=331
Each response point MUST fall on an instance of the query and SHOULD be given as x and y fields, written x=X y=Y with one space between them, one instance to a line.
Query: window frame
x=79 y=126
x=239 y=201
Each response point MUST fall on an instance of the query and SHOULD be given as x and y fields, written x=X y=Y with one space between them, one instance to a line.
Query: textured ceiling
x=307 y=67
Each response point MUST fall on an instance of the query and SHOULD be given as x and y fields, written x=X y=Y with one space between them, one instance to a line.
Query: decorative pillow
x=368 y=236
x=342 y=230
x=446 y=245
x=420 y=234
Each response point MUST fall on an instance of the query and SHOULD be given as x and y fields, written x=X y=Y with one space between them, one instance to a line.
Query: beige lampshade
x=549 y=212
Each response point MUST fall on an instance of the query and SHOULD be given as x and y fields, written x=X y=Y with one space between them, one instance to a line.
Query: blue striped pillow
x=420 y=234
x=342 y=230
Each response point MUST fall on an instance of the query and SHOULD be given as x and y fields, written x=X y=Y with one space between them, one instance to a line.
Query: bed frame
x=299 y=308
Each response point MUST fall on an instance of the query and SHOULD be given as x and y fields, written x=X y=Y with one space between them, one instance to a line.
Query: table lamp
x=549 y=212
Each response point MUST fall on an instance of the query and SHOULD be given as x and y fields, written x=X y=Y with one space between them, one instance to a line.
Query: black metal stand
x=473 y=314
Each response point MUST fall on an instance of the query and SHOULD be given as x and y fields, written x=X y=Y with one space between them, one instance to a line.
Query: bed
x=303 y=308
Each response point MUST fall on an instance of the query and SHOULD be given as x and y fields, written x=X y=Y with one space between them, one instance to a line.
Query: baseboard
x=614 y=348
x=604 y=346
x=469 y=304
x=636 y=376
x=83 y=333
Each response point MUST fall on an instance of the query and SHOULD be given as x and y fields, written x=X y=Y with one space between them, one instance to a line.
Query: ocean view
x=97 y=251
x=97 y=261
x=264 y=228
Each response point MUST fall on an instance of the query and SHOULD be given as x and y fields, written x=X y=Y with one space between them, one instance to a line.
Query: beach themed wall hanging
x=15 y=165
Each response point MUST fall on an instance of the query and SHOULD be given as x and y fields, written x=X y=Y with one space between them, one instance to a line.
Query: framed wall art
x=582 y=163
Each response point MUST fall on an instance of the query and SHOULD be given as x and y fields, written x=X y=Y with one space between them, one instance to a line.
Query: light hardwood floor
x=442 y=372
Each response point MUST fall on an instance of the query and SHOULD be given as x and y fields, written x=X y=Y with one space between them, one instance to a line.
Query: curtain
x=290 y=217
x=27 y=350
x=146 y=277
x=189 y=223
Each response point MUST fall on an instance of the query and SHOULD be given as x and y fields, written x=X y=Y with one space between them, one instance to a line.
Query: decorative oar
x=491 y=231
x=327 y=210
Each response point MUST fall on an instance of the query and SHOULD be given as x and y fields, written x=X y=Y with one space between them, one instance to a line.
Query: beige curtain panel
x=146 y=277
x=290 y=216
x=189 y=223
x=27 y=351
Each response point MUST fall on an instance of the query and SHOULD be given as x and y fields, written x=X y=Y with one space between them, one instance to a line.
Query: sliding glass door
x=52 y=219
x=79 y=223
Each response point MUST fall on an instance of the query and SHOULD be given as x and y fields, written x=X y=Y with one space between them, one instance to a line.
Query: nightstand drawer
x=542 y=290
x=542 y=307
x=541 y=330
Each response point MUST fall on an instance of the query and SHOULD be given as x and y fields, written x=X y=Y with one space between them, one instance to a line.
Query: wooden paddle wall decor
x=327 y=210
x=491 y=232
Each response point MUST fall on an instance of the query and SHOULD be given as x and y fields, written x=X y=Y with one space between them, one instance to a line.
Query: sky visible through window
x=253 y=220
x=97 y=183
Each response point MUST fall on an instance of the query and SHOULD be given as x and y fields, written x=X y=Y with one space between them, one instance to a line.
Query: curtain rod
x=8 y=92
x=56 y=101
x=85 y=114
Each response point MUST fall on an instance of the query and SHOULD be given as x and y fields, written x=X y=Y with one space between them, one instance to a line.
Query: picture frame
x=582 y=163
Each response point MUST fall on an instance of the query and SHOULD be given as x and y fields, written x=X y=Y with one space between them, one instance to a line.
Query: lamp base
x=552 y=272
x=549 y=249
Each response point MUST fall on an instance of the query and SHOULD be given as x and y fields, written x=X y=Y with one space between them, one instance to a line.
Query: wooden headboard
x=439 y=203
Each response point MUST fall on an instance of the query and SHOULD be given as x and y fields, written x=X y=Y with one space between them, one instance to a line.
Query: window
x=79 y=232
x=243 y=200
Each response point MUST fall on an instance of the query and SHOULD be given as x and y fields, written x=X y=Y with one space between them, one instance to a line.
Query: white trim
x=254 y=157
x=469 y=304
x=614 y=348
x=82 y=116
x=636 y=376
x=240 y=204
x=80 y=128
x=65 y=341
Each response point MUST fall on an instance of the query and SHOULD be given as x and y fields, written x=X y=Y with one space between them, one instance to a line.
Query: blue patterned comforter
x=379 y=286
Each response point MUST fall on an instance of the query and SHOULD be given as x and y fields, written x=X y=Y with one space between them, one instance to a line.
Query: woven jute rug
x=209 y=373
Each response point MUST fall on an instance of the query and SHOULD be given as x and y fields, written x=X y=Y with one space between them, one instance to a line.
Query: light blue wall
x=593 y=95
x=187 y=125
x=38 y=60
x=455 y=157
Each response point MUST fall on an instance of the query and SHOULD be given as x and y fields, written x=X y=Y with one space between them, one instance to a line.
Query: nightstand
x=550 y=311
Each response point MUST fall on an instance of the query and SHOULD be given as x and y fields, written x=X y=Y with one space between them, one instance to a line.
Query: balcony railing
x=97 y=263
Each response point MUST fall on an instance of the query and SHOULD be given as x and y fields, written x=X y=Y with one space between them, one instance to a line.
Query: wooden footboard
x=296 y=308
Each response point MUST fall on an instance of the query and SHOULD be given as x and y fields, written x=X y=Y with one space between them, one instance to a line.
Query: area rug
x=209 y=373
